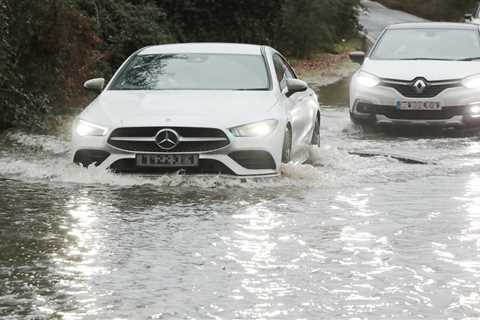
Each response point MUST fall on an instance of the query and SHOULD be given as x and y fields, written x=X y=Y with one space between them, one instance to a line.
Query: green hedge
x=49 y=47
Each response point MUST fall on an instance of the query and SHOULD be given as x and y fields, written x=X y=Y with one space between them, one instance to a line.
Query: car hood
x=180 y=108
x=430 y=70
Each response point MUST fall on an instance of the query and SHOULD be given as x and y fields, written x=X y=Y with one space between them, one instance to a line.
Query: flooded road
x=348 y=238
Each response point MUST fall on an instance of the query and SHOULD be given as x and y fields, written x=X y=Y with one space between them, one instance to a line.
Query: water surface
x=345 y=238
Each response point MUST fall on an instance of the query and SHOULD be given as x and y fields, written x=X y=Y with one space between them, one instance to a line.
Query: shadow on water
x=336 y=94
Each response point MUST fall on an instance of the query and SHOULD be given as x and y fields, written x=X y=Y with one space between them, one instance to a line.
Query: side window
x=279 y=68
x=282 y=70
x=290 y=71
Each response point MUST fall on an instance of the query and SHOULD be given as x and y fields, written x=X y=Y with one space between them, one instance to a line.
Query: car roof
x=219 y=48
x=433 y=25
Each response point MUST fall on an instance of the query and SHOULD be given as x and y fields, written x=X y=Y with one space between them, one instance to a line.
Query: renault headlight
x=367 y=80
x=472 y=82
x=257 y=129
x=85 y=128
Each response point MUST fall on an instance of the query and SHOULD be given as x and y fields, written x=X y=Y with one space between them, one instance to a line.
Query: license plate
x=418 y=105
x=167 y=160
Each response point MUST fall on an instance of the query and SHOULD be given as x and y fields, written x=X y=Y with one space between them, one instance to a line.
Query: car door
x=299 y=109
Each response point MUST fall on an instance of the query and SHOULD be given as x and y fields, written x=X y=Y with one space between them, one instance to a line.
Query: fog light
x=475 y=111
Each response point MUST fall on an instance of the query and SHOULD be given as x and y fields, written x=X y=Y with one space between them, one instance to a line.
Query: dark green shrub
x=312 y=25
x=49 y=47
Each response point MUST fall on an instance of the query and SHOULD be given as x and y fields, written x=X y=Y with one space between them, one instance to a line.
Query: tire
x=287 y=146
x=316 y=133
x=355 y=120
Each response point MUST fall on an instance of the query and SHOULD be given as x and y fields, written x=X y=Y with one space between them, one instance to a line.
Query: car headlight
x=367 y=80
x=472 y=82
x=85 y=128
x=257 y=129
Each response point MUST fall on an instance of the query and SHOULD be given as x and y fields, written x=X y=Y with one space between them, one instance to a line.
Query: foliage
x=49 y=47
x=252 y=21
x=125 y=26
x=311 y=25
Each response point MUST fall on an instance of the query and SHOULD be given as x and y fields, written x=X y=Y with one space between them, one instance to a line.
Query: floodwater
x=345 y=238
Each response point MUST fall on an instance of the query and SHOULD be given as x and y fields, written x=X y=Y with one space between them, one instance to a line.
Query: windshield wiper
x=469 y=59
x=432 y=59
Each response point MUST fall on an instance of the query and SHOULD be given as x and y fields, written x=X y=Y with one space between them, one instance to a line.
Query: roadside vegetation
x=437 y=10
x=49 y=48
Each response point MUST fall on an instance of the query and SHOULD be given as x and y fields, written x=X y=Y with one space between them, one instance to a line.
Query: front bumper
x=459 y=116
x=249 y=157
x=377 y=106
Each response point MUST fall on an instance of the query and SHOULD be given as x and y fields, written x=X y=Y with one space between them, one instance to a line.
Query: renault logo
x=419 y=86
x=167 y=139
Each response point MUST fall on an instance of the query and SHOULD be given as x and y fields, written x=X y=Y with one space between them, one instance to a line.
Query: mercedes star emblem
x=167 y=139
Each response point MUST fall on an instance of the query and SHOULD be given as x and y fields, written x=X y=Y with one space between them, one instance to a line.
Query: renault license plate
x=419 y=105
x=167 y=160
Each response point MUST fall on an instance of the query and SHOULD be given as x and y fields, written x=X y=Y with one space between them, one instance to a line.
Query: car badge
x=167 y=139
x=419 y=86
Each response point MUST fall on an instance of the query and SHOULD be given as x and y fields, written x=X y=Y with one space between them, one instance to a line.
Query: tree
x=49 y=47
x=312 y=25
x=126 y=26
x=251 y=21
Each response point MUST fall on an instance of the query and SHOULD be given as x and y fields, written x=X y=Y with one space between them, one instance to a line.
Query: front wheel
x=287 y=146
x=316 y=133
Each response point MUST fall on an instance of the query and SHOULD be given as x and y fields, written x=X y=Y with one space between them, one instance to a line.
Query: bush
x=125 y=27
x=49 y=47
x=297 y=27
x=252 y=21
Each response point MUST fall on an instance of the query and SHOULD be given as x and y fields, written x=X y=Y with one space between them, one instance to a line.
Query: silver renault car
x=424 y=74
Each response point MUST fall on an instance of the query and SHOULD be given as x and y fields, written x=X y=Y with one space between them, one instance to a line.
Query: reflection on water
x=344 y=238
x=335 y=94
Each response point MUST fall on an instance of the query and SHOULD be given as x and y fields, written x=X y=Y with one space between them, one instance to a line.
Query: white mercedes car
x=199 y=108
x=425 y=74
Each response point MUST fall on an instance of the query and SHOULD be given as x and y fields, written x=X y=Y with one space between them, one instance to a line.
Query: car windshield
x=193 y=72
x=428 y=44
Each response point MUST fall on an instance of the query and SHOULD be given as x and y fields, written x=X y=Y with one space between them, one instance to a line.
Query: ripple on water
x=343 y=237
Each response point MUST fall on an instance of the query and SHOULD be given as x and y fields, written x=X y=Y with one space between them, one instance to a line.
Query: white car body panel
x=191 y=108
x=219 y=109
x=430 y=70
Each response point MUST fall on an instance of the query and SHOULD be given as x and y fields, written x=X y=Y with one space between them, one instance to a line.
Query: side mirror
x=295 y=85
x=357 y=57
x=95 y=84
x=468 y=17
